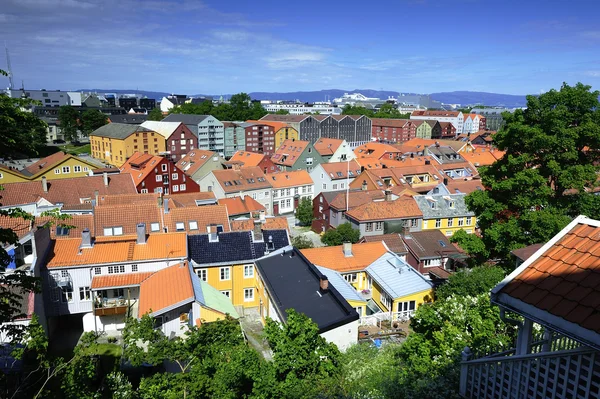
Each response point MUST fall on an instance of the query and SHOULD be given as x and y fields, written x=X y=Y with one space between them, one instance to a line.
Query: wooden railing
x=565 y=374
x=377 y=318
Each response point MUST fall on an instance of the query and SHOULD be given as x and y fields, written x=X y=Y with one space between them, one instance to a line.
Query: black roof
x=292 y=282
x=134 y=119
x=234 y=246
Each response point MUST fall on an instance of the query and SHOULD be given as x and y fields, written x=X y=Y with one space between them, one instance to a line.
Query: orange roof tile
x=181 y=200
x=333 y=257
x=45 y=163
x=19 y=225
x=355 y=198
x=292 y=148
x=204 y=216
x=119 y=280
x=562 y=278
x=464 y=186
x=277 y=126
x=246 y=158
x=327 y=146
x=270 y=223
x=166 y=288
x=241 y=206
x=128 y=199
x=375 y=150
x=194 y=160
x=127 y=217
x=339 y=170
x=140 y=165
x=403 y=207
x=67 y=252
x=289 y=179
x=243 y=179
x=483 y=156
x=76 y=222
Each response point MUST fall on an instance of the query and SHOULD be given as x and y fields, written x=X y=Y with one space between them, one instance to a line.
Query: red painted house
x=321 y=212
x=448 y=130
x=179 y=139
x=156 y=174
x=393 y=130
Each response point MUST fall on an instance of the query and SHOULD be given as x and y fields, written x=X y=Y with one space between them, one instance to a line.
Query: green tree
x=203 y=108
x=304 y=211
x=257 y=111
x=544 y=178
x=21 y=132
x=302 y=242
x=68 y=118
x=155 y=115
x=282 y=112
x=389 y=111
x=473 y=245
x=343 y=233
x=471 y=282
x=357 y=110
x=91 y=120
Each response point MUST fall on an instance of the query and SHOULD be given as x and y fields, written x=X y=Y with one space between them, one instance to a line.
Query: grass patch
x=302 y=229
x=75 y=149
x=113 y=350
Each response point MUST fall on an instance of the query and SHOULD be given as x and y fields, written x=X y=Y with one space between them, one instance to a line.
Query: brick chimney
x=257 y=230
x=323 y=284
x=45 y=184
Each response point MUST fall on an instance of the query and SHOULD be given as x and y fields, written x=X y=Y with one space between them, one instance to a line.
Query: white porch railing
x=376 y=318
x=564 y=374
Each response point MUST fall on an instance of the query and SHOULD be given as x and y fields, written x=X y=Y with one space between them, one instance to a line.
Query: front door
x=275 y=208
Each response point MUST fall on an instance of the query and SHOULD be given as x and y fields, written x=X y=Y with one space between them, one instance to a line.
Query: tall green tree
x=204 y=108
x=471 y=282
x=389 y=111
x=91 y=120
x=304 y=211
x=21 y=132
x=343 y=233
x=68 y=117
x=155 y=115
x=357 y=110
x=282 y=112
x=544 y=180
x=302 y=242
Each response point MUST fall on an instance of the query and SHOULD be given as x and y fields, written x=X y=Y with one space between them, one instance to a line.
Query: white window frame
x=97 y=271
x=164 y=167
x=248 y=271
x=134 y=268
x=154 y=227
x=86 y=293
x=76 y=168
x=225 y=273
x=66 y=169
x=248 y=294
x=202 y=274
x=227 y=293
x=174 y=176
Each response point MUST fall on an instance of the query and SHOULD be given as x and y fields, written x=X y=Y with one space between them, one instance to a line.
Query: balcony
x=111 y=307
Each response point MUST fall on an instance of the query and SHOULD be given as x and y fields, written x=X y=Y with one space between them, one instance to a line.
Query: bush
x=344 y=233
x=302 y=242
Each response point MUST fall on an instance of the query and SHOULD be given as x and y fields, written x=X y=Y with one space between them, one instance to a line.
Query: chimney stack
x=364 y=185
x=166 y=202
x=388 y=195
x=347 y=248
x=258 y=235
x=86 y=239
x=141 y=233
x=45 y=184
x=105 y=178
x=324 y=284
x=445 y=181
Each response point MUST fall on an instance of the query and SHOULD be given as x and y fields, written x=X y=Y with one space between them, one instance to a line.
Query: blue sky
x=228 y=46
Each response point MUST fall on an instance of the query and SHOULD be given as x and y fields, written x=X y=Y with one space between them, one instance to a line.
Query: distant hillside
x=454 y=97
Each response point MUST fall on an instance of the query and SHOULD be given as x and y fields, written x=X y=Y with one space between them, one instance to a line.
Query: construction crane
x=10 y=74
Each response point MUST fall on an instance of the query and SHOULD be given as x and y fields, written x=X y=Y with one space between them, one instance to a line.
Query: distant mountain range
x=453 y=97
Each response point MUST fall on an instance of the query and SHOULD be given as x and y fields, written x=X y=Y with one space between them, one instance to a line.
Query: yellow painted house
x=56 y=166
x=283 y=132
x=114 y=143
x=445 y=212
x=382 y=279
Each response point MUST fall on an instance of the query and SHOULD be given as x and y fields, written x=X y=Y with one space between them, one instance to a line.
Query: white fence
x=377 y=318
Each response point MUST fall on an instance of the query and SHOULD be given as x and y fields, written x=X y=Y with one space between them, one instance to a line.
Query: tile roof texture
x=128 y=199
x=194 y=160
x=339 y=170
x=241 y=206
x=419 y=144
x=67 y=252
x=333 y=257
x=392 y=241
x=326 y=146
x=247 y=158
x=442 y=206
x=140 y=165
x=403 y=207
x=396 y=277
x=205 y=216
x=20 y=226
x=44 y=163
x=181 y=200
x=269 y=223
x=355 y=198
x=70 y=191
x=483 y=156
x=166 y=288
x=385 y=122
x=232 y=247
x=464 y=186
x=76 y=223
x=119 y=280
x=275 y=124
x=429 y=244
x=289 y=179
x=244 y=179
x=561 y=281
x=292 y=149
x=127 y=217
x=374 y=150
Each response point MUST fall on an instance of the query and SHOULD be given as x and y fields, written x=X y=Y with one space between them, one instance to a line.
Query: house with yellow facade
x=114 y=143
x=445 y=211
x=225 y=260
x=53 y=167
x=388 y=284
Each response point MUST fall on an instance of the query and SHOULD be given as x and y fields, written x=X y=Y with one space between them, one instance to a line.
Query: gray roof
x=343 y=287
x=118 y=130
x=186 y=119
x=442 y=206
x=396 y=277
x=135 y=119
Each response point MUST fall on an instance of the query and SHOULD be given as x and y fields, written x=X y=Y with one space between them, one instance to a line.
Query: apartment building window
x=66 y=169
x=414 y=222
x=461 y=222
x=335 y=186
x=324 y=186
x=468 y=221
x=350 y=277
x=450 y=222
x=202 y=274
x=85 y=294
x=116 y=269
x=438 y=223
x=248 y=294
x=113 y=231
x=175 y=188
x=226 y=293
x=225 y=273
x=248 y=271
x=406 y=306
x=182 y=187
x=369 y=226
x=77 y=168
x=97 y=270
x=174 y=176
x=67 y=296
x=379 y=226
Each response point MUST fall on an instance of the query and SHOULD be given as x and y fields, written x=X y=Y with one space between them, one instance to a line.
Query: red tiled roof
x=374 y=150
x=119 y=280
x=194 y=160
x=274 y=124
x=326 y=146
x=403 y=207
x=247 y=158
x=355 y=198
x=76 y=223
x=244 y=179
x=181 y=200
x=241 y=206
x=165 y=288
x=339 y=170
x=290 y=148
x=72 y=191
x=393 y=241
x=19 y=225
x=127 y=217
x=140 y=165
x=385 y=122
x=128 y=199
x=464 y=186
x=289 y=179
x=45 y=163
x=204 y=216
x=333 y=257
x=270 y=223
x=561 y=281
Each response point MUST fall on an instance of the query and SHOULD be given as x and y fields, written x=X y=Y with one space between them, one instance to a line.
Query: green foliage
x=473 y=245
x=239 y=108
x=304 y=211
x=68 y=118
x=21 y=132
x=91 y=120
x=386 y=110
x=343 y=233
x=156 y=115
x=473 y=282
x=302 y=242
x=282 y=112
x=542 y=182
x=357 y=110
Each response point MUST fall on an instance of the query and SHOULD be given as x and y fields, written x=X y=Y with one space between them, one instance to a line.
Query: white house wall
x=343 y=336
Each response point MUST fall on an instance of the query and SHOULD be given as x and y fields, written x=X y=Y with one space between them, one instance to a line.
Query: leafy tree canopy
x=304 y=211
x=302 y=242
x=282 y=112
x=156 y=115
x=91 y=120
x=343 y=233
x=68 y=117
x=239 y=108
x=471 y=282
x=543 y=181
